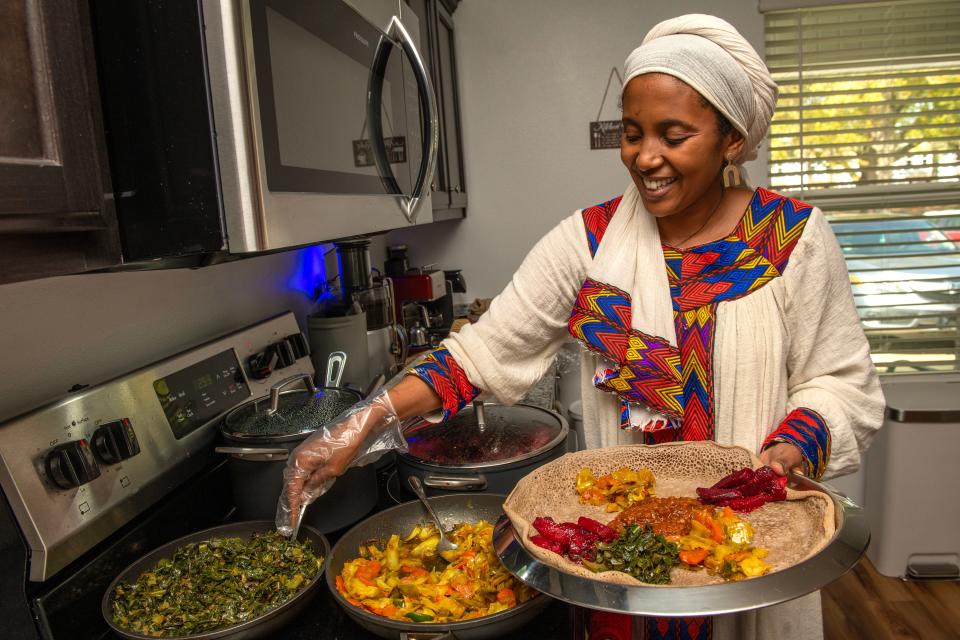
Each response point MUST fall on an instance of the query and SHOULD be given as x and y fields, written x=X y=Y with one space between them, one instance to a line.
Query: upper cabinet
x=54 y=218
x=436 y=27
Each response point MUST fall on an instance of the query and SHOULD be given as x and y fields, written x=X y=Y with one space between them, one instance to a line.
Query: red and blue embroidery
x=596 y=219
x=448 y=380
x=699 y=628
x=806 y=429
x=700 y=278
x=647 y=368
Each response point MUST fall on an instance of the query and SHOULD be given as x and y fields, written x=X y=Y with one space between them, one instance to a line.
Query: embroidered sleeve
x=448 y=380
x=807 y=430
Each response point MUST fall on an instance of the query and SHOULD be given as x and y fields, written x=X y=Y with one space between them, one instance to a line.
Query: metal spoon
x=444 y=544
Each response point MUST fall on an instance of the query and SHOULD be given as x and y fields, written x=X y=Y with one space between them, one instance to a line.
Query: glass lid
x=288 y=413
x=494 y=434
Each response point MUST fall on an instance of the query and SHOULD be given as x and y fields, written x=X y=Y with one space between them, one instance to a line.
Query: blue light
x=310 y=275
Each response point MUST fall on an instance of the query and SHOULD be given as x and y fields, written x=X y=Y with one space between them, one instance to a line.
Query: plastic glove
x=358 y=436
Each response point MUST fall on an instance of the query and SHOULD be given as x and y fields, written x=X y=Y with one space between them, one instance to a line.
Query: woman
x=707 y=310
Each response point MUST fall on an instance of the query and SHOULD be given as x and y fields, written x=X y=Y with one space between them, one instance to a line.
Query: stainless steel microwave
x=239 y=127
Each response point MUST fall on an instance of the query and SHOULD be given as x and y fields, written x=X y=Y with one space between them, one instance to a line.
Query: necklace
x=680 y=244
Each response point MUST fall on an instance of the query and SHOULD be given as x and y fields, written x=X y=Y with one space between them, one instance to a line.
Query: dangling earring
x=731 y=174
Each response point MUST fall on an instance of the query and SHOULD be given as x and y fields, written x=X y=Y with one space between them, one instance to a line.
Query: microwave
x=240 y=127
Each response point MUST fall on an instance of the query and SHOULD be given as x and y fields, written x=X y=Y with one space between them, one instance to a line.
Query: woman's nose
x=647 y=158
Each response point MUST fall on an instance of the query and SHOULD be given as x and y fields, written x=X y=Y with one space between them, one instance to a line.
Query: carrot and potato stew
x=405 y=580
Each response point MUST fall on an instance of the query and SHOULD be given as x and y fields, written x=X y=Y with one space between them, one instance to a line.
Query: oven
x=238 y=127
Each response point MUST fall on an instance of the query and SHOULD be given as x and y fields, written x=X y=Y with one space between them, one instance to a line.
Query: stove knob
x=115 y=441
x=71 y=464
x=286 y=355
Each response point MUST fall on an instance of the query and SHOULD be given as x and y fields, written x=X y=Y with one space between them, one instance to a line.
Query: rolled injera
x=791 y=530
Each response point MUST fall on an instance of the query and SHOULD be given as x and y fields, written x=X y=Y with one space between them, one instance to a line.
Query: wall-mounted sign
x=605 y=134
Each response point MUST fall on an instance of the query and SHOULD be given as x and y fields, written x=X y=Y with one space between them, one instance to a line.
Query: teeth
x=654 y=185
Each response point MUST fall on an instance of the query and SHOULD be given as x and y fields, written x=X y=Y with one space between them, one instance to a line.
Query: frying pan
x=452 y=509
x=264 y=625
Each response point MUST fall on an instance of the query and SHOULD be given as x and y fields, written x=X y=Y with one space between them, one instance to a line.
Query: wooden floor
x=866 y=605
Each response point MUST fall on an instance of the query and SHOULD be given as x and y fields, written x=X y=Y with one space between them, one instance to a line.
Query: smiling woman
x=706 y=310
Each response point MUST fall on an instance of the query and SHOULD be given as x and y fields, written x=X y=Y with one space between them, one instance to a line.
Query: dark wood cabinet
x=437 y=30
x=54 y=216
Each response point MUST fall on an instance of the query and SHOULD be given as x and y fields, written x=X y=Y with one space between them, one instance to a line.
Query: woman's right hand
x=360 y=434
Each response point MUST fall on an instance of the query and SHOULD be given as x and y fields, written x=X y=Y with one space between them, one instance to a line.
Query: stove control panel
x=78 y=469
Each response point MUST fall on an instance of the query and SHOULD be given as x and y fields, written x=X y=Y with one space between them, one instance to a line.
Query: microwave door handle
x=374 y=101
x=429 y=123
x=428 y=118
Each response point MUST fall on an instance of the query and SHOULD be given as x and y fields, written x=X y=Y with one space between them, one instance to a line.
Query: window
x=868 y=128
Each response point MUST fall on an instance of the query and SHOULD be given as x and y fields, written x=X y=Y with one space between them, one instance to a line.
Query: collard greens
x=215 y=583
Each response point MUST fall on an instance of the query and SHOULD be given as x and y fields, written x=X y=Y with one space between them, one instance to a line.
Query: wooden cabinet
x=436 y=28
x=54 y=217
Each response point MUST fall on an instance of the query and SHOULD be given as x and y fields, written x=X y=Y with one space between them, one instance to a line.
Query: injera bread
x=792 y=530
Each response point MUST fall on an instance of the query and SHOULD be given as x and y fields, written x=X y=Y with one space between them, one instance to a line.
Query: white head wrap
x=711 y=56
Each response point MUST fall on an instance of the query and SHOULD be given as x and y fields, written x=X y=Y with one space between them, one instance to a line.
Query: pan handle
x=255 y=454
x=468 y=483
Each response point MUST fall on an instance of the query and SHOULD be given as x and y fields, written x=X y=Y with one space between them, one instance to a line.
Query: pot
x=263 y=626
x=401 y=519
x=486 y=447
x=261 y=433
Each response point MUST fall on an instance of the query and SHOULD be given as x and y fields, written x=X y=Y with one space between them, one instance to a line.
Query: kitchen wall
x=85 y=329
x=532 y=76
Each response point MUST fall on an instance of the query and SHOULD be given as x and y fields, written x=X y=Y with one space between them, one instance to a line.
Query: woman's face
x=672 y=145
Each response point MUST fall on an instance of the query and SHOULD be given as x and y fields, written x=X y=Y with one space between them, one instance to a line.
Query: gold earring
x=731 y=174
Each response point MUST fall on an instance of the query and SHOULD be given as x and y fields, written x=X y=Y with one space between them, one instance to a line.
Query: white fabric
x=630 y=258
x=711 y=56
x=797 y=341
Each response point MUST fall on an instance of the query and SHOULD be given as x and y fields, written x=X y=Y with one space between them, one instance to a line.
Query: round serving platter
x=839 y=556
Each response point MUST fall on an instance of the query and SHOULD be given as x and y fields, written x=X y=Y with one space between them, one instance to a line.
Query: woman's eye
x=674 y=141
x=631 y=138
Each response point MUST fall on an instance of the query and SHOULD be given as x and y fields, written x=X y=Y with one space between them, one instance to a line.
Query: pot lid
x=288 y=414
x=486 y=433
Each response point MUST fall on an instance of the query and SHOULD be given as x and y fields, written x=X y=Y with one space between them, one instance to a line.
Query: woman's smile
x=656 y=188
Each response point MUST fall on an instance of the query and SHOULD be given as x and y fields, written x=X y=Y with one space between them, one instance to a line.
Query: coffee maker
x=424 y=299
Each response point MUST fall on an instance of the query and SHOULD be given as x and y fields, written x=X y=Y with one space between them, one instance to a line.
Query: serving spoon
x=444 y=544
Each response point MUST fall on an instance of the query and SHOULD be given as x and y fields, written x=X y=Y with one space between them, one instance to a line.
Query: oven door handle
x=429 y=123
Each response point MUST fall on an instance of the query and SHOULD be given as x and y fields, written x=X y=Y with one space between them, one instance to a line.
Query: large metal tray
x=839 y=556
x=266 y=625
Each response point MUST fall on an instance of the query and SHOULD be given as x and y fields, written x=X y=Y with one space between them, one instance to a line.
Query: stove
x=95 y=480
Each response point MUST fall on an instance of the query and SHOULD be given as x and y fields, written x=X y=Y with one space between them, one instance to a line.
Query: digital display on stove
x=193 y=396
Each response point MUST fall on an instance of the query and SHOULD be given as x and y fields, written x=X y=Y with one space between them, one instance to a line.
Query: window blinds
x=868 y=128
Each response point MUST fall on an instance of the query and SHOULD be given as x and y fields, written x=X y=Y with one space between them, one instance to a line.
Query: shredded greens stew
x=215 y=583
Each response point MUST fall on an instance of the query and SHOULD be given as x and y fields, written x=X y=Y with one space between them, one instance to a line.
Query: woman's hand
x=782 y=457
x=368 y=427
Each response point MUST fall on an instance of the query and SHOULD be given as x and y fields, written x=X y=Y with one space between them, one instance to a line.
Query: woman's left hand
x=782 y=457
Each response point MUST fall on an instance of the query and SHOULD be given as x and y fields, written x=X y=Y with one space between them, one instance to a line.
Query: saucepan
x=259 y=435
